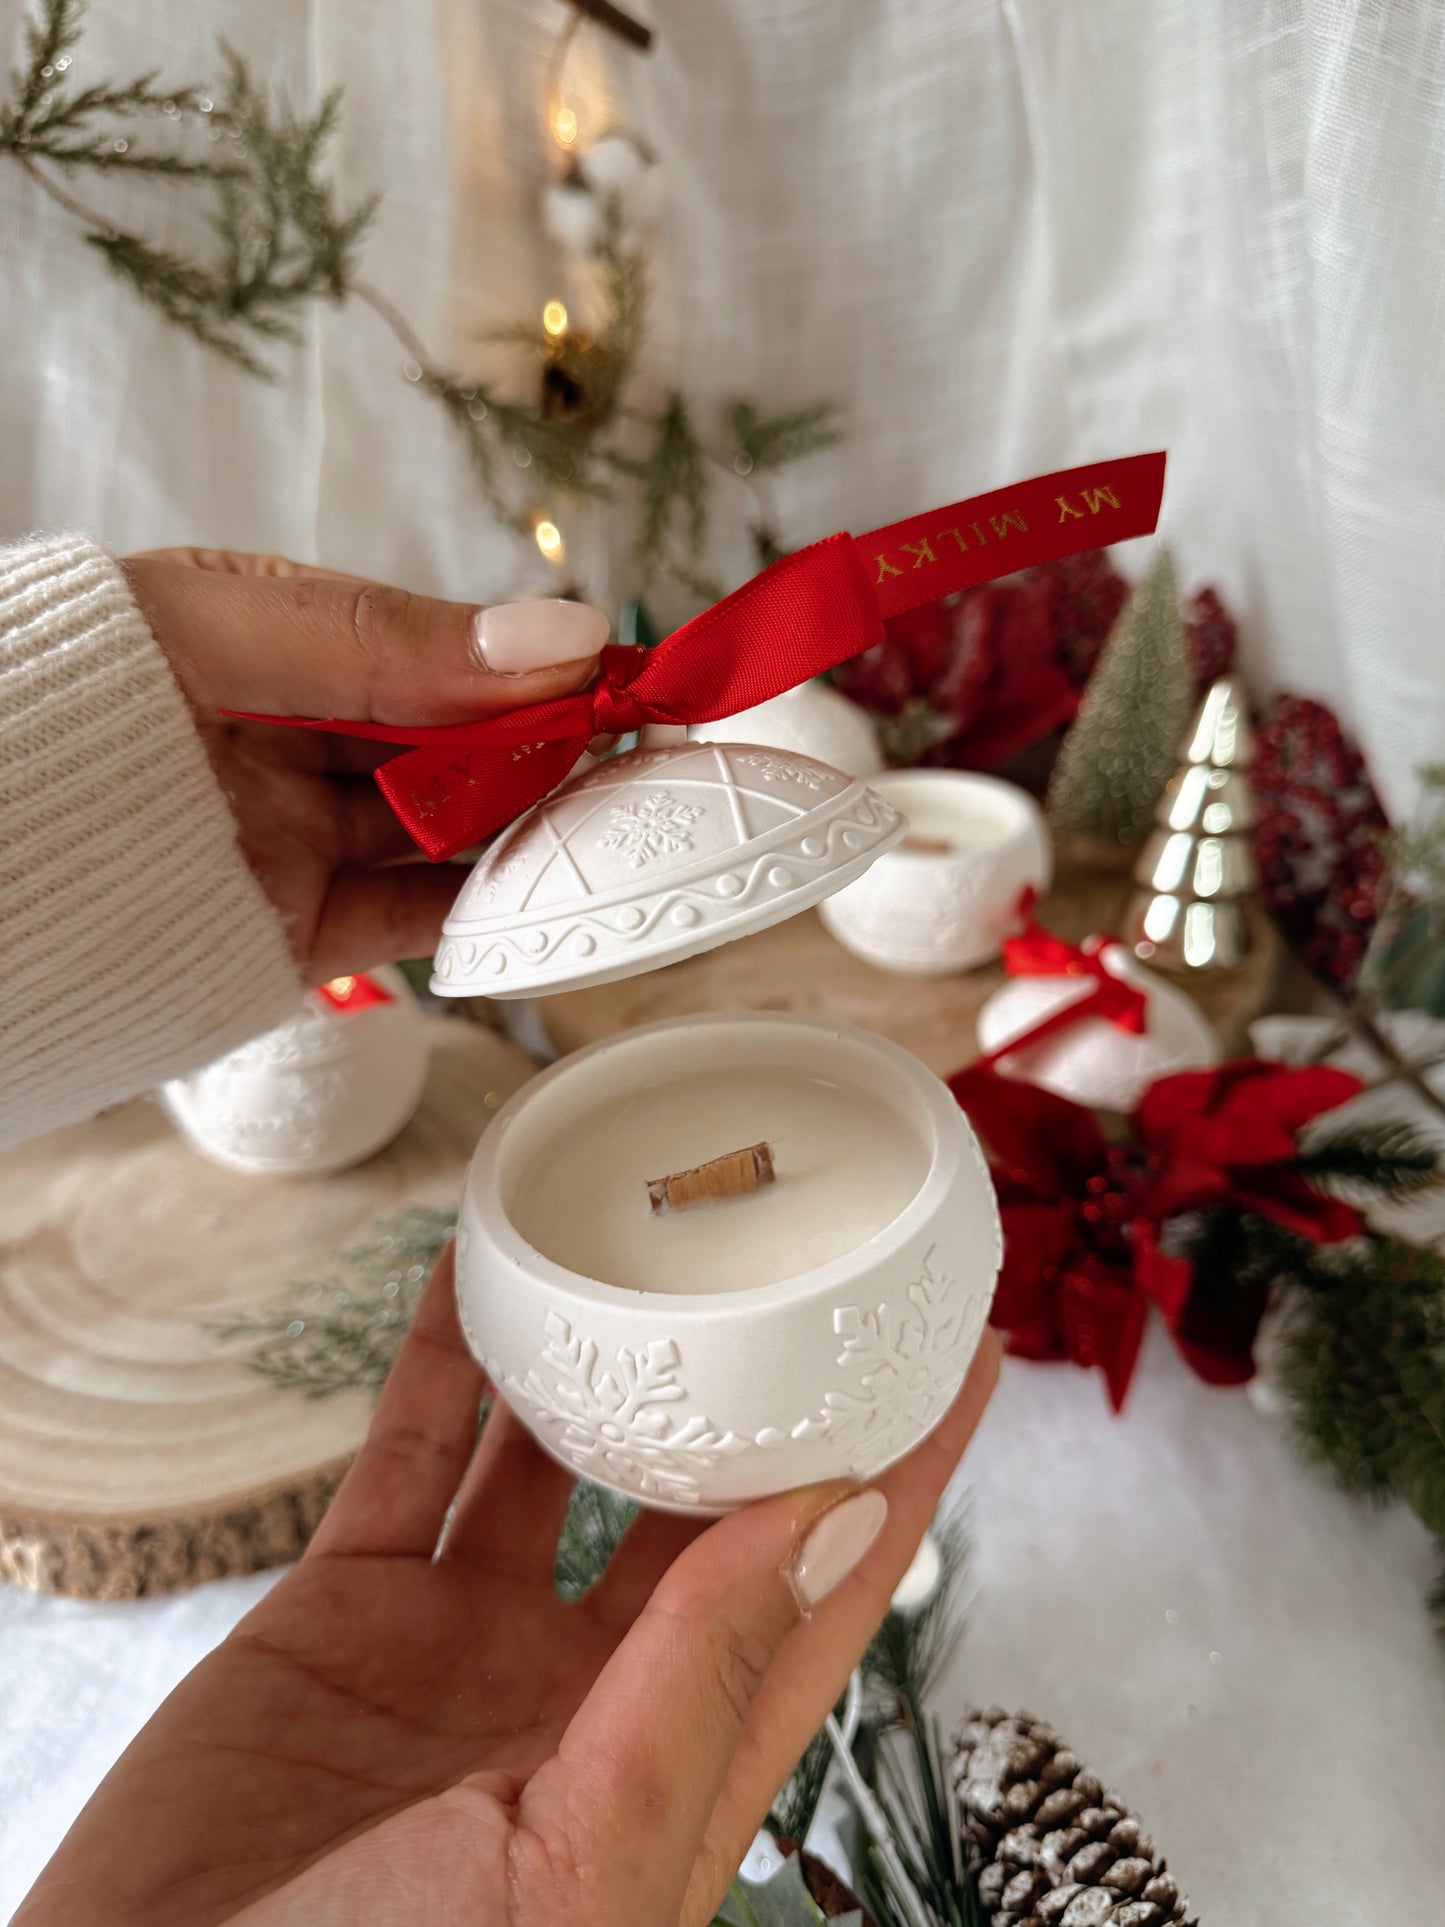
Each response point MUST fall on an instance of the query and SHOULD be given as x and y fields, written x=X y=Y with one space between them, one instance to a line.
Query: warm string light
x=564 y=125
x=554 y=319
x=549 y=541
x=357 y=992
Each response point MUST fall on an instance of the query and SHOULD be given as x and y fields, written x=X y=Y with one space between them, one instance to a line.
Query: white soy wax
x=846 y=1164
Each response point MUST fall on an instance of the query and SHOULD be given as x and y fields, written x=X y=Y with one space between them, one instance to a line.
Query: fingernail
x=835 y=1545
x=514 y=638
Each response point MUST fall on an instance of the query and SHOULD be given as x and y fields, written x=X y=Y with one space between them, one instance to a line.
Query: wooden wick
x=928 y=845
x=732 y=1176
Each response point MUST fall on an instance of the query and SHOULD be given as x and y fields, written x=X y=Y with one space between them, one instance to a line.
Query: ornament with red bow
x=455 y=784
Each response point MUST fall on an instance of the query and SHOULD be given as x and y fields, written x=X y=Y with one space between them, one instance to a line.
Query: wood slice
x=139 y=1449
x=797 y=966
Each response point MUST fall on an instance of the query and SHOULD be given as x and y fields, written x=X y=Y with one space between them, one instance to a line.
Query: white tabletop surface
x=1241 y=1651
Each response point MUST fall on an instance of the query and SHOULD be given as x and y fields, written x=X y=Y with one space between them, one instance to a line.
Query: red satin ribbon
x=814 y=609
x=1036 y=952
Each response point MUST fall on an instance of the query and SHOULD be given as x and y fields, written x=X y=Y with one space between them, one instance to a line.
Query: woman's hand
x=400 y=1737
x=253 y=632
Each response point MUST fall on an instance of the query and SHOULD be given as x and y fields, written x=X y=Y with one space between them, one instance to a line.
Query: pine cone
x=1053 y=1848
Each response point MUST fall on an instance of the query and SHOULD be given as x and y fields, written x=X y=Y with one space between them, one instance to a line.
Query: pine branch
x=673 y=480
x=1364 y=1371
x=797 y=1802
x=1405 y=965
x=1392 y=1159
x=765 y=442
x=281 y=238
x=184 y=294
x=910 y=1649
x=342 y=1332
x=596 y=1522
x=50 y=33
x=48 y=118
x=914 y=1794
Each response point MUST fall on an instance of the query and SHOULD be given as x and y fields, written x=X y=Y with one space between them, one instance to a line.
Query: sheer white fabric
x=1010 y=235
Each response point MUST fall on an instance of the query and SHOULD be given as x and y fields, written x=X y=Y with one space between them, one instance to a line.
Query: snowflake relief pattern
x=611 y=1422
x=779 y=769
x=658 y=825
x=503 y=870
x=905 y=1367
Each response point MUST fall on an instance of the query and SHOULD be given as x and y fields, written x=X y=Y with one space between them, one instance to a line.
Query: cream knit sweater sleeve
x=135 y=943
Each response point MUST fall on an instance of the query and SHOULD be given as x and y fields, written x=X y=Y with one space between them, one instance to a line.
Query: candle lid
x=653 y=856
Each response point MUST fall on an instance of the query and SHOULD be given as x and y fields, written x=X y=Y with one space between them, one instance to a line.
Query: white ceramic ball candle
x=811 y=720
x=1093 y=1061
x=946 y=898
x=322 y=1092
x=815 y=1328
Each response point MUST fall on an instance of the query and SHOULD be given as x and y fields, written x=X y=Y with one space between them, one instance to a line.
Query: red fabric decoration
x=1082 y=1219
x=996 y=668
x=805 y=614
x=1228 y=1135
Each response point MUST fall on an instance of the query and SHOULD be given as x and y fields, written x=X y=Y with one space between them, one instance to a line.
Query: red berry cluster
x=1320 y=837
x=1210 y=637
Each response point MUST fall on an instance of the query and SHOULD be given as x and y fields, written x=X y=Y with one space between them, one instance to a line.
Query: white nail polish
x=514 y=638
x=836 y=1543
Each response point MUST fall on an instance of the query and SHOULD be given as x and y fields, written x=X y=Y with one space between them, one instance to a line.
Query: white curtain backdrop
x=1007 y=234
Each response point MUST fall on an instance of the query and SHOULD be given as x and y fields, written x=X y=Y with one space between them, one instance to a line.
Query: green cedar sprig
x=594 y=1527
x=1405 y=966
x=343 y=1331
x=1364 y=1369
x=1392 y=1159
x=281 y=238
x=48 y=117
x=912 y=1788
x=766 y=442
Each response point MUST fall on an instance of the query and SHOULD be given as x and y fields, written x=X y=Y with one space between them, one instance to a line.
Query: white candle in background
x=948 y=896
x=846 y=1164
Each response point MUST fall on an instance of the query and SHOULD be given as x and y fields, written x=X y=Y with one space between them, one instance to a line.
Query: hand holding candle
x=467 y=1732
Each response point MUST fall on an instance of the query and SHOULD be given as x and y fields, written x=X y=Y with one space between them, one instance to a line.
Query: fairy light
x=564 y=126
x=341 y=988
x=554 y=319
x=549 y=541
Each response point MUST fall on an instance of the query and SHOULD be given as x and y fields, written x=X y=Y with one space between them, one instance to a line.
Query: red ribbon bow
x=1037 y=952
x=459 y=783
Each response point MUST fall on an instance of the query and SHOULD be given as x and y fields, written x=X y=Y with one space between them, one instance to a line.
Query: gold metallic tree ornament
x=1197 y=872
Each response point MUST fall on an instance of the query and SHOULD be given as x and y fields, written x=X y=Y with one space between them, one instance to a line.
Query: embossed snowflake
x=780 y=769
x=657 y=826
x=907 y=1369
x=610 y=1420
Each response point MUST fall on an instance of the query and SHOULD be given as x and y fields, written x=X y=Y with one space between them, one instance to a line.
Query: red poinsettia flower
x=1229 y=1134
x=1067 y=1288
x=1085 y=1245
